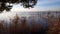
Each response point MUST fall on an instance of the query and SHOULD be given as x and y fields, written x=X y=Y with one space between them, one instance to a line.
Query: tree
x=24 y=3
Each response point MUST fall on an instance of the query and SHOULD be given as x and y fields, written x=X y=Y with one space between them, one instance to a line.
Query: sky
x=42 y=5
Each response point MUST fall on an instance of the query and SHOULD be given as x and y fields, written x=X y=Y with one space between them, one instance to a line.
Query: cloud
x=40 y=6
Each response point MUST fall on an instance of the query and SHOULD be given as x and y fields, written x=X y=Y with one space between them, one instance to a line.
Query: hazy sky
x=42 y=5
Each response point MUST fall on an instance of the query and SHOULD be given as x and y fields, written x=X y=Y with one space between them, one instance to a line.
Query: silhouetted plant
x=14 y=25
x=2 y=28
x=24 y=3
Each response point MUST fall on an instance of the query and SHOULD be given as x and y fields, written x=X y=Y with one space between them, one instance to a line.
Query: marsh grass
x=21 y=28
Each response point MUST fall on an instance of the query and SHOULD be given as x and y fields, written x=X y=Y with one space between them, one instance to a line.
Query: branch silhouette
x=24 y=3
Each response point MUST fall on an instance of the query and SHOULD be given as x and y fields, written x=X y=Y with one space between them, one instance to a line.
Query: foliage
x=24 y=3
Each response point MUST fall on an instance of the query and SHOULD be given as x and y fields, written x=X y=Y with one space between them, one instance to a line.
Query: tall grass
x=18 y=25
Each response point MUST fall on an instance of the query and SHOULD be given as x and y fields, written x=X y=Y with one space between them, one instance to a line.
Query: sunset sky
x=42 y=5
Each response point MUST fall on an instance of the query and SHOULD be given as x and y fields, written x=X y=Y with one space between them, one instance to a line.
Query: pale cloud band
x=42 y=5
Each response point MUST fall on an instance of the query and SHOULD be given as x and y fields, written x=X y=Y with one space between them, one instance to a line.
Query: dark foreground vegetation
x=32 y=25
